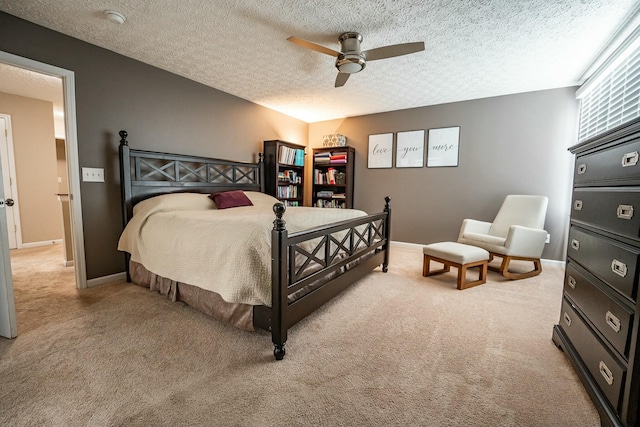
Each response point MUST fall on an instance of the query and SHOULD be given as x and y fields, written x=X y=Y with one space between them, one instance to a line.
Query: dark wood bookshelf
x=342 y=174
x=284 y=171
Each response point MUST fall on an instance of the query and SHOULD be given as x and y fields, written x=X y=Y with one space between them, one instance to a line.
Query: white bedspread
x=185 y=238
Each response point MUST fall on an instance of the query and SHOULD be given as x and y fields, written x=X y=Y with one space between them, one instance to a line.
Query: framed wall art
x=410 y=149
x=443 y=147
x=380 y=151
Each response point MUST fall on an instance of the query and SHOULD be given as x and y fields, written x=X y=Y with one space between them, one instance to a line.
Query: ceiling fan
x=351 y=59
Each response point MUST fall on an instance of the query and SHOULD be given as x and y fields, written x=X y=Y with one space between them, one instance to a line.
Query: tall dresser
x=598 y=326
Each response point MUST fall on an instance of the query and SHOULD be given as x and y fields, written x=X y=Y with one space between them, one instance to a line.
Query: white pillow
x=261 y=199
x=175 y=202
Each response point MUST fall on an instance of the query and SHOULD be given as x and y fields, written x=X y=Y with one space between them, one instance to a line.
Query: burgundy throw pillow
x=230 y=199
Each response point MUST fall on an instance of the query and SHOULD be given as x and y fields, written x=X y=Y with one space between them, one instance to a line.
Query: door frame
x=71 y=147
x=11 y=162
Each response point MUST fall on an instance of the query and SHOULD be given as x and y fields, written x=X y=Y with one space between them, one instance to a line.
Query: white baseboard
x=553 y=261
x=406 y=245
x=68 y=263
x=106 y=279
x=44 y=243
x=417 y=246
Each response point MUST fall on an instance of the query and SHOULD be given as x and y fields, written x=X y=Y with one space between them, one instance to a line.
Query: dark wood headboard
x=144 y=174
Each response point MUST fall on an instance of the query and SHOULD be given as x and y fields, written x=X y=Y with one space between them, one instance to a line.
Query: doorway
x=9 y=182
x=7 y=310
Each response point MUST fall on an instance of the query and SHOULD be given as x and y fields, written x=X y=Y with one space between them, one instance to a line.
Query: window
x=612 y=97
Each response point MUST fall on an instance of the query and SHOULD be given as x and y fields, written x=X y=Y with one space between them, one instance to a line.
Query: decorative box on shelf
x=334 y=140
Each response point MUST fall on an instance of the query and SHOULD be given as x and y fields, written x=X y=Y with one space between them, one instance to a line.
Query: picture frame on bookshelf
x=443 y=147
x=410 y=149
x=380 y=153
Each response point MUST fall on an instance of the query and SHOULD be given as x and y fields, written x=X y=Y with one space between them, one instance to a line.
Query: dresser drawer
x=611 y=261
x=603 y=366
x=617 y=163
x=613 y=209
x=610 y=317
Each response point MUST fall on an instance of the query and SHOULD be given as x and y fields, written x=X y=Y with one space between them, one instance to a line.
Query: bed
x=262 y=266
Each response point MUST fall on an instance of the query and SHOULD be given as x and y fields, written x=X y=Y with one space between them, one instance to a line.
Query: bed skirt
x=212 y=304
x=207 y=302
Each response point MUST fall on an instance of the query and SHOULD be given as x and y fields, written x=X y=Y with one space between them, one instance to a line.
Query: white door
x=9 y=182
x=8 y=325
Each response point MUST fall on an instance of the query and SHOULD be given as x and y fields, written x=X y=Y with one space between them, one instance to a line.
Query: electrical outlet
x=93 y=174
x=548 y=239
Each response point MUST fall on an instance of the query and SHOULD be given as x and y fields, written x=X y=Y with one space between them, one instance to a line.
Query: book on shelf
x=322 y=158
x=328 y=177
x=331 y=176
x=325 y=194
x=329 y=158
x=291 y=156
x=289 y=176
x=338 y=158
x=288 y=192
x=331 y=204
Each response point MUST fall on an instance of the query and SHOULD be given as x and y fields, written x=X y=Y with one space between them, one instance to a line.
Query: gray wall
x=161 y=111
x=514 y=144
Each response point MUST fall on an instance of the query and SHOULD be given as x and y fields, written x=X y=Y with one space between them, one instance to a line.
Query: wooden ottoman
x=458 y=255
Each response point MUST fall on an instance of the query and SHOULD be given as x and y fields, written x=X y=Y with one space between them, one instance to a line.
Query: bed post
x=387 y=234
x=125 y=186
x=279 y=279
x=261 y=171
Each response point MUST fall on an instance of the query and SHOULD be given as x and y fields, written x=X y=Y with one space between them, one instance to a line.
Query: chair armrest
x=525 y=242
x=474 y=226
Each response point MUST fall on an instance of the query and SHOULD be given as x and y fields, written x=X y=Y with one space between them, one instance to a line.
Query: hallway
x=40 y=283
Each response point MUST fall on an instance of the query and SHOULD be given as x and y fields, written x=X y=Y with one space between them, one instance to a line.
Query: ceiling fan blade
x=341 y=79
x=393 y=50
x=313 y=46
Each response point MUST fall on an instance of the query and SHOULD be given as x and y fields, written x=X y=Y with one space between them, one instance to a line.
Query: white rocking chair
x=515 y=234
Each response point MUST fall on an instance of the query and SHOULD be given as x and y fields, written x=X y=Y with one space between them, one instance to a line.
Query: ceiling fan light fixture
x=115 y=17
x=350 y=63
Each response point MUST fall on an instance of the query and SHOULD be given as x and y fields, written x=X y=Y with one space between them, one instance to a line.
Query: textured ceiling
x=18 y=81
x=474 y=49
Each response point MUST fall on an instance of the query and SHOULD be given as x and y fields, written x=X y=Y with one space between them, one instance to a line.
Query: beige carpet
x=395 y=349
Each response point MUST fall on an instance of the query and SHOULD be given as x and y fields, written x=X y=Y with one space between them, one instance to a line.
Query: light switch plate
x=93 y=174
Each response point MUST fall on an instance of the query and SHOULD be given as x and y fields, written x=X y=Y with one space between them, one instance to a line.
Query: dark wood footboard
x=345 y=251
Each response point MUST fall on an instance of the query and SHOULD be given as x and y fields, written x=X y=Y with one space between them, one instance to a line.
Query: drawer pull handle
x=577 y=205
x=625 y=211
x=582 y=168
x=630 y=159
x=567 y=318
x=620 y=268
x=575 y=244
x=606 y=372
x=612 y=321
x=571 y=282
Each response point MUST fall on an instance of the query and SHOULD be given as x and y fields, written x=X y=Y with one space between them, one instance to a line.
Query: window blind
x=614 y=99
